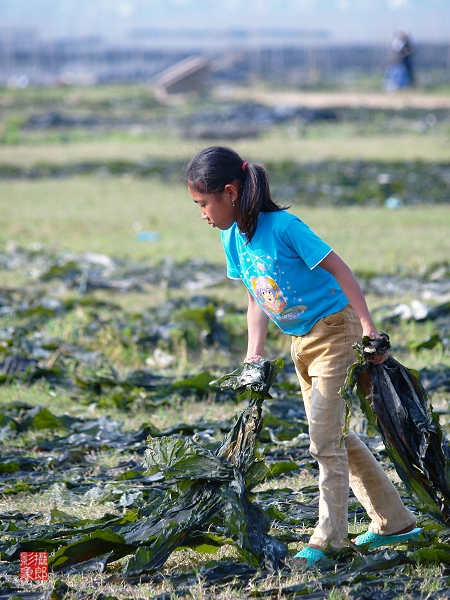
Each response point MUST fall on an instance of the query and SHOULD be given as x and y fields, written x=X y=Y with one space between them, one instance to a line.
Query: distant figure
x=399 y=71
x=402 y=47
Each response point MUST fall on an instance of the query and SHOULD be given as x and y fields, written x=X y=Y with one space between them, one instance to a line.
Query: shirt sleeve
x=309 y=246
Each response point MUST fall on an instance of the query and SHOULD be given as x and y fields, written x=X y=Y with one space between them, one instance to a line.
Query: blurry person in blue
x=403 y=48
x=296 y=280
x=399 y=71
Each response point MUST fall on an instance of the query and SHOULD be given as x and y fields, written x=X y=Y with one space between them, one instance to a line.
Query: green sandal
x=310 y=555
x=374 y=540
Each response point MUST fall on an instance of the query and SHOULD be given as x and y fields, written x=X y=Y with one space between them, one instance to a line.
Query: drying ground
x=106 y=213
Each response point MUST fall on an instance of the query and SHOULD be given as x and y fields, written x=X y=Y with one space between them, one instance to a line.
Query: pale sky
x=346 y=20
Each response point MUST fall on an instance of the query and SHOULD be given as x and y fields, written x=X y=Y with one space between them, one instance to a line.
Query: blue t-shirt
x=279 y=268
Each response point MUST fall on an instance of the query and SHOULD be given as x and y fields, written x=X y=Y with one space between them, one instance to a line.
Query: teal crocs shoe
x=310 y=555
x=374 y=540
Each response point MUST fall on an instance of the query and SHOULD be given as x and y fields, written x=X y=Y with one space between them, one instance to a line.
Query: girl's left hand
x=378 y=359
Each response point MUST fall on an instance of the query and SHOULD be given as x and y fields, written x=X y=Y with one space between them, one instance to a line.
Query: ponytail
x=215 y=167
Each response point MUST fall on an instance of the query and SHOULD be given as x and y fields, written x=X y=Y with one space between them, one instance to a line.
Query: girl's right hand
x=254 y=358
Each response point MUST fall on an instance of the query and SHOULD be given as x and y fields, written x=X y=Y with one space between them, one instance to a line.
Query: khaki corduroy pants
x=321 y=359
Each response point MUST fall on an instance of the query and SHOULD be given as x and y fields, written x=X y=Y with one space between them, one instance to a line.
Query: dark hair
x=215 y=167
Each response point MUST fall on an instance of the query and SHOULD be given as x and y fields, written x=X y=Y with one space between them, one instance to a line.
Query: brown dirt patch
x=393 y=100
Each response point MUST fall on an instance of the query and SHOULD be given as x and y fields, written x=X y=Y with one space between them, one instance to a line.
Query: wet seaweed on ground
x=207 y=504
x=211 y=500
x=80 y=545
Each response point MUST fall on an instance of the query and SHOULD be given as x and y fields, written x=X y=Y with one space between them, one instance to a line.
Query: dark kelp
x=210 y=502
x=394 y=401
x=80 y=545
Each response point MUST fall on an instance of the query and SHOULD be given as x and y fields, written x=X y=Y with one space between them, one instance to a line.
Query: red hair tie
x=244 y=166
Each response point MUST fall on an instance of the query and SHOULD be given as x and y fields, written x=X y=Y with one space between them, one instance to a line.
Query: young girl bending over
x=296 y=280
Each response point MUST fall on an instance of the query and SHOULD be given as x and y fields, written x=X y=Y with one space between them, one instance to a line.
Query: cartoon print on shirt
x=262 y=273
x=268 y=292
x=292 y=313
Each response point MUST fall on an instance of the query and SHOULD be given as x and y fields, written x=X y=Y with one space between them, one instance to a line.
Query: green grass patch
x=104 y=214
x=315 y=142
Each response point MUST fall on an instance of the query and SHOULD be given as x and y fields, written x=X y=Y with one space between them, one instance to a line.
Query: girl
x=321 y=306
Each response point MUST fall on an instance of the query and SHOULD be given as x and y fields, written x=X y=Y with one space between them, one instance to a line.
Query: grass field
x=104 y=213
x=343 y=143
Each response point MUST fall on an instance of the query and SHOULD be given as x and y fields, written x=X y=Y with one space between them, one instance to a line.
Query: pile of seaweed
x=134 y=475
x=189 y=489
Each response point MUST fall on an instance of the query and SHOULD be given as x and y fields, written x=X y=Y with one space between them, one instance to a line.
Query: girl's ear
x=232 y=190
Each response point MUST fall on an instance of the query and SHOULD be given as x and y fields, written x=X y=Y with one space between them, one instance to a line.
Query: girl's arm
x=257 y=323
x=344 y=276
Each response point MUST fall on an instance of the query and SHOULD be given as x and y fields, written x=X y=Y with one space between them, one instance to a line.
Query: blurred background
x=301 y=43
x=103 y=102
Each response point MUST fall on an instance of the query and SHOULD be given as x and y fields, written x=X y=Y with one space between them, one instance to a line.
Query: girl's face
x=220 y=209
